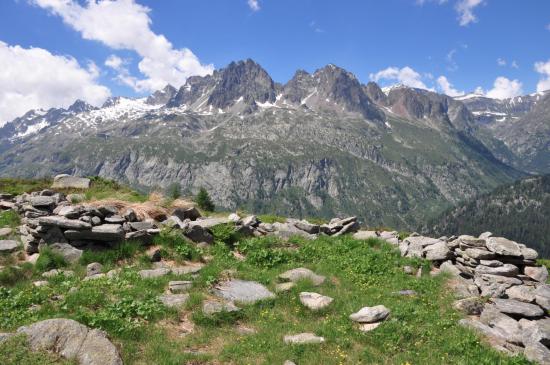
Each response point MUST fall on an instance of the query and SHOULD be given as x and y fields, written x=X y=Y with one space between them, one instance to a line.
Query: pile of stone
x=498 y=283
x=49 y=218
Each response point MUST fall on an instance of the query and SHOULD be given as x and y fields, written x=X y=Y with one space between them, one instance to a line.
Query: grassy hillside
x=519 y=211
x=422 y=328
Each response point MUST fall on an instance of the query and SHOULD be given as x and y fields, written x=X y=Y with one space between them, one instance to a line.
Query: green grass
x=100 y=188
x=48 y=260
x=271 y=218
x=9 y=218
x=110 y=257
x=422 y=329
x=20 y=186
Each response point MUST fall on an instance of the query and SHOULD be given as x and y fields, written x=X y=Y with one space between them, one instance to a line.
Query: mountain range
x=323 y=144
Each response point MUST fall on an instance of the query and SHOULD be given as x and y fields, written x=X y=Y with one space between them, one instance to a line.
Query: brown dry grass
x=153 y=208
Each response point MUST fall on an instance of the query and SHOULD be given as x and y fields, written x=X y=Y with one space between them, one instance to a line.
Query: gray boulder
x=211 y=307
x=302 y=273
x=370 y=314
x=42 y=201
x=187 y=213
x=70 y=182
x=104 y=232
x=503 y=246
x=504 y=270
x=197 y=233
x=315 y=301
x=72 y=340
x=69 y=253
x=179 y=286
x=242 y=291
x=523 y=293
x=307 y=227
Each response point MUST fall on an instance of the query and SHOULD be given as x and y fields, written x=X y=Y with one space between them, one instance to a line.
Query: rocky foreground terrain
x=112 y=282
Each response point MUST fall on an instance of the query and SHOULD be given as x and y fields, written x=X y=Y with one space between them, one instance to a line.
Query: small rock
x=288 y=362
x=8 y=246
x=301 y=273
x=210 y=307
x=93 y=277
x=250 y=221
x=40 y=283
x=409 y=270
x=4 y=232
x=130 y=215
x=303 y=338
x=365 y=235
x=154 y=254
x=367 y=327
x=93 y=269
x=234 y=217
x=55 y=272
x=284 y=287
x=115 y=219
x=174 y=300
x=315 y=301
x=187 y=213
x=179 y=286
x=406 y=293
x=370 y=314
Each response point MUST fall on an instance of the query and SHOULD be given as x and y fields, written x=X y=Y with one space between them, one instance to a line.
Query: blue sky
x=55 y=51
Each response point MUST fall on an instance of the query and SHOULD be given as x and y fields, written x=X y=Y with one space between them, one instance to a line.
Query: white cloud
x=447 y=87
x=452 y=65
x=32 y=78
x=504 y=88
x=514 y=64
x=114 y=62
x=501 y=62
x=124 y=24
x=406 y=76
x=543 y=68
x=254 y=5
x=465 y=10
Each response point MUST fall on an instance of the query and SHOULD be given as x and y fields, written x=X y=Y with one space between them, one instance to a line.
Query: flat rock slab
x=370 y=314
x=302 y=273
x=72 y=340
x=503 y=246
x=63 y=222
x=315 y=301
x=179 y=286
x=153 y=273
x=70 y=182
x=242 y=291
x=174 y=300
x=105 y=232
x=303 y=339
x=284 y=287
x=8 y=246
x=210 y=307
x=4 y=232
x=365 y=235
x=515 y=307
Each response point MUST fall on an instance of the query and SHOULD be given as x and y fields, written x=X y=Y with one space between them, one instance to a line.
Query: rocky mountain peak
x=161 y=97
x=243 y=79
x=375 y=93
x=331 y=88
x=80 y=106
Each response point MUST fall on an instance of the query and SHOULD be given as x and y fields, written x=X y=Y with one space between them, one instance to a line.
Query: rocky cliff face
x=323 y=144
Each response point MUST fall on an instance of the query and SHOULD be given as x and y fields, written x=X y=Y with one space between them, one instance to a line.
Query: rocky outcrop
x=72 y=341
x=498 y=284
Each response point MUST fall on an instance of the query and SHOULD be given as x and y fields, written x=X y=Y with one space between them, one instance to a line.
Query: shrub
x=48 y=260
x=204 y=201
x=173 y=191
